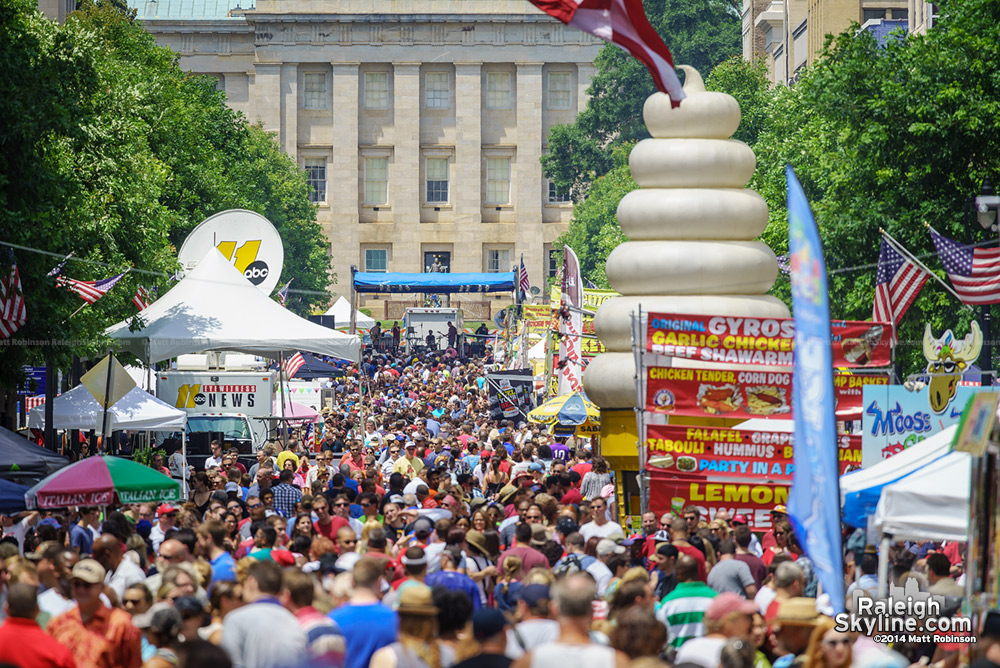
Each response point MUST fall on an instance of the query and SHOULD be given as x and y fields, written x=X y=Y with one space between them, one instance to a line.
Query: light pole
x=986 y=203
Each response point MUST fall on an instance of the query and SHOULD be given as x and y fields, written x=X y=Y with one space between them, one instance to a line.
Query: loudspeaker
x=324 y=320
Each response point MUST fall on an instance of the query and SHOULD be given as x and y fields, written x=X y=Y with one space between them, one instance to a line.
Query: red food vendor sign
x=700 y=392
x=768 y=341
x=742 y=471
x=742 y=453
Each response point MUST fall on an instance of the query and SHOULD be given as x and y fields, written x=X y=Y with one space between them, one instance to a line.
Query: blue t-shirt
x=456 y=582
x=223 y=568
x=81 y=537
x=367 y=629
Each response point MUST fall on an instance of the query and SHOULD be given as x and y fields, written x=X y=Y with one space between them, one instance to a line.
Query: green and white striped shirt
x=683 y=611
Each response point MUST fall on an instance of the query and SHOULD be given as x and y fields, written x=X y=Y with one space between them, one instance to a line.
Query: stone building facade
x=419 y=123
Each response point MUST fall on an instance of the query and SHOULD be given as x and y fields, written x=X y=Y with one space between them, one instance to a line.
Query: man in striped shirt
x=682 y=611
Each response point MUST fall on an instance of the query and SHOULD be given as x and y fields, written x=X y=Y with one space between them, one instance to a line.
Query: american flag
x=522 y=281
x=13 y=314
x=624 y=24
x=142 y=299
x=974 y=272
x=90 y=291
x=292 y=365
x=898 y=280
x=283 y=293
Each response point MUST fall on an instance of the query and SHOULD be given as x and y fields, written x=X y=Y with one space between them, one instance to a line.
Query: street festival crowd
x=424 y=534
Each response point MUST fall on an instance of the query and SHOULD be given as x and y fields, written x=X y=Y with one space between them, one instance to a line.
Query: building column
x=404 y=178
x=527 y=172
x=467 y=194
x=343 y=175
x=289 y=136
x=584 y=75
x=267 y=95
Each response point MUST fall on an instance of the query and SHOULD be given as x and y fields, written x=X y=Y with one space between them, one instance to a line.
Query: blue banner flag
x=814 y=500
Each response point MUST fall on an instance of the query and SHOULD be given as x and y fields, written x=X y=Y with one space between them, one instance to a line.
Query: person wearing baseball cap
x=488 y=628
x=778 y=513
x=166 y=518
x=606 y=549
x=118 y=643
x=729 y=615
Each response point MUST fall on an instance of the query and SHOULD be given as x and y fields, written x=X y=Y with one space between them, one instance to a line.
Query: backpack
x=571 y=564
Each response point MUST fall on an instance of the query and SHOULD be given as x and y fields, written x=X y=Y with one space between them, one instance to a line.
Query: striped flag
x=292 y=365
x=624 y=24
x=90 y=291
x=56 y=270
x=13 y=313
x=142 y=299
x=974 y=272
x=283 y=293
x=898 y=280
x=522 y=281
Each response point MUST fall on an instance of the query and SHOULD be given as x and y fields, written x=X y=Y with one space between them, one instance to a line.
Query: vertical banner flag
x=814 y=500
x=571 y=326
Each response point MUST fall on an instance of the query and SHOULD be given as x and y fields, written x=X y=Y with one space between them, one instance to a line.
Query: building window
x=376 y=260
x=554 y=264
x=437 y=90
x=437 y=261
x=556 y=197
x=437 y=179
x=376 y=180
x=316 y=177
x=497 y=260
x=314 y=90
x=497 y=180
x=560 y=93
x=376 y=90
x=498 y=90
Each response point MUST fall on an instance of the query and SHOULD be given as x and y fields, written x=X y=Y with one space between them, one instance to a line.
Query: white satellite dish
x=246 y=238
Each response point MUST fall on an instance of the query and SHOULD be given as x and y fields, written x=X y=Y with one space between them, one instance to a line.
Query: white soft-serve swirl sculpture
x=692 y=225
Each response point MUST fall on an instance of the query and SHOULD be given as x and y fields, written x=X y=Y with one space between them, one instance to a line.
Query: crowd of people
x=415 y=530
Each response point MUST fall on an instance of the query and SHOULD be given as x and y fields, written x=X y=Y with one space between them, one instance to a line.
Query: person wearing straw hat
x=792 y=627
x=418 y=645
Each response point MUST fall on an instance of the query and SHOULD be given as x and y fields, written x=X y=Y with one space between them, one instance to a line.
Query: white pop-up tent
x=929 y=504
x=215 y=307
x=341 y=312
x=138 y=410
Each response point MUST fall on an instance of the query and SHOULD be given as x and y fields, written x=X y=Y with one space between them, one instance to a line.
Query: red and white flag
x=142 y=300
x=292 y=365
x=897 y=282
x=624 y=24
x=90 y=291
x=974 y=272
x=13 y=314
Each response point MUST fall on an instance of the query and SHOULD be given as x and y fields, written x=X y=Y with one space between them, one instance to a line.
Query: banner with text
x=668 y=493
x=732 y=453
x=743 y=394
x=896 y=418
x=510 y=393
x=769 y=341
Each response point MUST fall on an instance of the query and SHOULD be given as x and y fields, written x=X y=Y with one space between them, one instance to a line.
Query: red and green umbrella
x=97 y=481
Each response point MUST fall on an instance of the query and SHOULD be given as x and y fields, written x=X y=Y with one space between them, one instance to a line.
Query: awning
x=437 y=283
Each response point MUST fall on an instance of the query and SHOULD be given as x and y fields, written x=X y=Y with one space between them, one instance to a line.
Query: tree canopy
x=698 y=33
x=113 y=153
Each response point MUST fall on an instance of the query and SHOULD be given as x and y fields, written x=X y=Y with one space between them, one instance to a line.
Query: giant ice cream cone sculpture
x=693 y=226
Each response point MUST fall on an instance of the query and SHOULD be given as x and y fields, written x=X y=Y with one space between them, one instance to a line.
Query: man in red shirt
x=22 y=642
x=530 y=557
x=354 y=459
x=326 y=524
x=679 y=539
x=97 y=635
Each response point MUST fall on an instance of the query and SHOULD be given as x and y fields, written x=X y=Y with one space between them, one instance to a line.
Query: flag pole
x=913 y=258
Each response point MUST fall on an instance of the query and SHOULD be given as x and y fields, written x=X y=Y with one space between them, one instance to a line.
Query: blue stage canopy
x=436 y=283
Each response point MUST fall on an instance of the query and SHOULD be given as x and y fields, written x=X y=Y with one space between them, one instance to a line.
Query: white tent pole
x=883 y=566
x=184 y=460
x=281 y=389
x=354 y=304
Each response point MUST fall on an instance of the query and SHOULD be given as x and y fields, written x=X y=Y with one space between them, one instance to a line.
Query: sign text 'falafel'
x=769 y=341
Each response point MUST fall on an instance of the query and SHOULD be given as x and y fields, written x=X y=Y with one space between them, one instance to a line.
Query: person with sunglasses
x=782 y=533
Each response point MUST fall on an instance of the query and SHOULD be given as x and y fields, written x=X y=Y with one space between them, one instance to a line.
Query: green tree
x=114 y=153
x=700 y=34
x=890 y=137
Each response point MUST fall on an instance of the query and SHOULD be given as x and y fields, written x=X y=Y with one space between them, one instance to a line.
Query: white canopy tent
x=929 y=504
x=215 y=307
x=341 y=312
x=136 y=411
